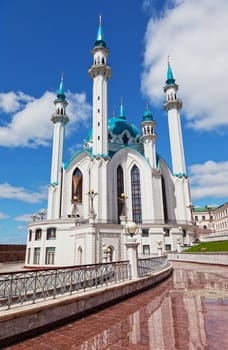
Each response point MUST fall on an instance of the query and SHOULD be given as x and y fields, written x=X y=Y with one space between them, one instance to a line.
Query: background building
x=117 y=177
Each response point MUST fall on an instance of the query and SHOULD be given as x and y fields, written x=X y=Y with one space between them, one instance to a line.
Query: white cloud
x=23 y=218
x=12 y=101
x=3 y=216
x=194 y=34
x=30 y=126
x=209 y=180
x=19 y=193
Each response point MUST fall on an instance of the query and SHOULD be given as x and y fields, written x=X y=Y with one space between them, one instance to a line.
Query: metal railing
x=22 y=288
x=150 y=265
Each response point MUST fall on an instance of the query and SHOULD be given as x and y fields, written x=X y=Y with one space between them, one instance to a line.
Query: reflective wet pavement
x=187 y=312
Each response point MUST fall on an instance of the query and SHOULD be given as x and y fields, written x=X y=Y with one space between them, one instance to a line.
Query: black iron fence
x=31 y=286
x=149 y=266
x=22 y=288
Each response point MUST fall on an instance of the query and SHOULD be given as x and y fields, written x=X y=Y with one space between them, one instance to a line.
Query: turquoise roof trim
x=180 y=175
x=77 y=153
x=170 y=79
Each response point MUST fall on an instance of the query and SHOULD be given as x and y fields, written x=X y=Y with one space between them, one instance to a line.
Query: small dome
x=147 y=116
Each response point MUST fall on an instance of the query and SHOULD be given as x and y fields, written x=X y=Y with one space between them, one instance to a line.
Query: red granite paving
x=184 y=313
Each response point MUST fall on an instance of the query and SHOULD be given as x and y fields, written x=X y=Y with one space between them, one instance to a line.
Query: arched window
x=77 y=185
x=136 y=195
x=79 y=256
x=165 y=211
x=30 y=235
x=51 y=233
x=38 y=234
x=120 y=189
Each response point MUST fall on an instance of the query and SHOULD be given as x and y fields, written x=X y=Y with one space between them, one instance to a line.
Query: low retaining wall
x=26 y=321
x=202 y=258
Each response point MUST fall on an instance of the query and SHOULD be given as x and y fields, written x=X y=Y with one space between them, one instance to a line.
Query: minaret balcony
x=64 y=119
x=100 y=69
x=175 y=104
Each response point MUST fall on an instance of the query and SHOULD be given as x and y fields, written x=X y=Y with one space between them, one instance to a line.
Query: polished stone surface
x=187 y=312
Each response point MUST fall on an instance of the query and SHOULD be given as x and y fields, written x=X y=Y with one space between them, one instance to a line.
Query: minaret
x=149 y=137
x=172 y=105
x=100 y=72
x=59 y=119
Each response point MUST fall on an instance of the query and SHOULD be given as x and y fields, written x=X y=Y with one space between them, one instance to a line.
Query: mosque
x=116 y=179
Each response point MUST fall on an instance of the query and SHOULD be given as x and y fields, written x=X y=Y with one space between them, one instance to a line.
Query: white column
x=132 y=255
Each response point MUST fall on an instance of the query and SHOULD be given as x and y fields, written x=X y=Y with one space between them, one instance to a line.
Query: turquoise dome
x=117 y=125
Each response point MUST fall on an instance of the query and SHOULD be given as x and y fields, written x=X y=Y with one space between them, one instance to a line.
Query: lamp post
x=209 y=209
x=123 y=198
x=42 y=213
x=178 y=244
x=159 y=243
x=131 y=228
x=34 y=217
x=92 y=194
x=191 y=207
x=75 y=214
x=132 y=245
x=106 y=253
x=123 y=216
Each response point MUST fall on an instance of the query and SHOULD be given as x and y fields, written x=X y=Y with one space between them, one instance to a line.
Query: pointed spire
x=100 y=35
x=122 y=114
x=60 y=92
x=170 y=79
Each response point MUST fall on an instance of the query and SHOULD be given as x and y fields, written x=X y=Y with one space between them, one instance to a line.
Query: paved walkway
x=186 y=312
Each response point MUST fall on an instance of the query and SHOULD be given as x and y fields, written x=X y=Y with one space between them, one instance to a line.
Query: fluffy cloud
x=194 y=34
x=30 y=125
x=12 y=101
x=19 y=193
x=209 y=180
x=23 y=218
x=3 y=216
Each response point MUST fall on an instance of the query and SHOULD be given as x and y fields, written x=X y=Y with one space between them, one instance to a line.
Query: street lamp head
x=131 y=228
x=178 y=239
x=75 y=199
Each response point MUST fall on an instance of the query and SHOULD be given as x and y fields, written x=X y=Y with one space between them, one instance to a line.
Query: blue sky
x=40 y=39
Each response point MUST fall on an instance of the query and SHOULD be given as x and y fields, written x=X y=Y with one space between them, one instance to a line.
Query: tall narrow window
x=36 y=256
x=164 y=200
x=77 y=185
x=120 y=189
x=136 y=195
x=38 y=234
x=29 y=256
x=50 y=256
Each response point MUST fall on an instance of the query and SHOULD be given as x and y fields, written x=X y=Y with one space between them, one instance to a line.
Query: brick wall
x=12 y=252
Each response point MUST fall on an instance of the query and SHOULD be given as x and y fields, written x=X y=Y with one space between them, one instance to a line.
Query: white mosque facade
x=118 y=177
